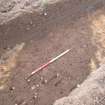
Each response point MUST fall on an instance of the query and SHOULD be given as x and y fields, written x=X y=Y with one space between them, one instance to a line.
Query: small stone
x=78 y=85
x=12 y=88
x=28 y=80
x=35 y=96
x=45 y=81
x=37 y=85
x=33 y=87
x=58 y=74
x=45 y=14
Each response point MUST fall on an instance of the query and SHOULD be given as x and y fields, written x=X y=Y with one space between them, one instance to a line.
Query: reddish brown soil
x=65 y=26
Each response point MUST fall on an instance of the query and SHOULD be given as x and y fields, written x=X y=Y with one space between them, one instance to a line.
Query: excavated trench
x=66 y=25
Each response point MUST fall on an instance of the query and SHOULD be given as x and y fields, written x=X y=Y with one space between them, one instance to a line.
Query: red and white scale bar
x=49 y=62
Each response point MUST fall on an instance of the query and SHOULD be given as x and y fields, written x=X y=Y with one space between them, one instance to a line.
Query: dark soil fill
x=66 y=26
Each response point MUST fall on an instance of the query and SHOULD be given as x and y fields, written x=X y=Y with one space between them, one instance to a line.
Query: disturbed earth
x=32 y=39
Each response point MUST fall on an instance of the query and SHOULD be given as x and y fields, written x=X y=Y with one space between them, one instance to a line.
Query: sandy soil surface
x=66 y=25
x=90 y=92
